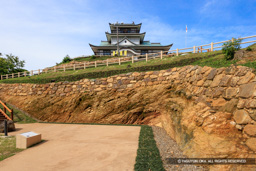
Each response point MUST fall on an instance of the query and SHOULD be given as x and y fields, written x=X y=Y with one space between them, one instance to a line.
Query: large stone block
x=245 y=79
x=230 y=93
x=217 y=79
x=250 y=129
x=251 y=143
x=247 y=90
x=242 y=117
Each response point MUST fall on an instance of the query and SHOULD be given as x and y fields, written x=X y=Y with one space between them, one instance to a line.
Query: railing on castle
x=112 y=61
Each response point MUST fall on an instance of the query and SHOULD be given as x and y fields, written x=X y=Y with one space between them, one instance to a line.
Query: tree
x=230 y=47
x=66 y=59
x=11 y=64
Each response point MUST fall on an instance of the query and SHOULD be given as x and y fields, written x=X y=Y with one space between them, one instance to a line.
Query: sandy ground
x=76 y=147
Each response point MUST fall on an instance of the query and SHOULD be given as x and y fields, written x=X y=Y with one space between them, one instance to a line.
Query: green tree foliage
x=66 y=59
x=230 y=47
x=11 y=64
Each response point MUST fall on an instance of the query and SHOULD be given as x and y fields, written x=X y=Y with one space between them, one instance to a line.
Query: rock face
x=10 y=126
x=209 y=112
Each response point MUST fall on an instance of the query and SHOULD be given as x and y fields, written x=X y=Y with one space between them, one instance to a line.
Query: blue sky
x=42 y=32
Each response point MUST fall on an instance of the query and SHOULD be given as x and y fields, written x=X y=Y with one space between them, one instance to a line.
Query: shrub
x=93 y=57
x=230 y=48
x=66 y=59
x=248 y=48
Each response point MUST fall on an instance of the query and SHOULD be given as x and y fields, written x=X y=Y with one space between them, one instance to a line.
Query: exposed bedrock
x=209 y=112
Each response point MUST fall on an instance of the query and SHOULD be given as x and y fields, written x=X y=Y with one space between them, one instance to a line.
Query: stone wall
x=232 y=90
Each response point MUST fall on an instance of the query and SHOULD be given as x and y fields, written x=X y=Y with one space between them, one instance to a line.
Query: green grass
x=8 y=147
x=19 y=116
x=215 y=62
x=250 y=64
x=148 y=156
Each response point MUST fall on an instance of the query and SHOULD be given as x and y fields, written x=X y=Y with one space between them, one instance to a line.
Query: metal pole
x=5 y=128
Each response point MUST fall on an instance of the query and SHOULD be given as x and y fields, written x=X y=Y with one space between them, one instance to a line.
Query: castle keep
x=128 y=39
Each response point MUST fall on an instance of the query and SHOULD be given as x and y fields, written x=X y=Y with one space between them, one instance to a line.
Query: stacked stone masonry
x=231 y=89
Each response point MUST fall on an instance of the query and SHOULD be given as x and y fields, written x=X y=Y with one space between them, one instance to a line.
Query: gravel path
x=169 y=149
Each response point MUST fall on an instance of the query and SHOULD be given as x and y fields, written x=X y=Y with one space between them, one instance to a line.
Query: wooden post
x=132 y=59
x=38 y=71
x=194 y=49
x=18 y=74
x=232 y=39
x=31 y=73
x=177 y=52
x=25 y=73
x=74 y=66
x=12 y=75
x=201 y=49
x=212 y=47
x=119 y=61
x=6 y=76
x=161 y=55
x=1 y=77
x=12 y=114
x=4 y=108
x=146 y=57
x=55 y=69
x=84 y=65
x=64 y=68
x=107 y=62
x=95 y=64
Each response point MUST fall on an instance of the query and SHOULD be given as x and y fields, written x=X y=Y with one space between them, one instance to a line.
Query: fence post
x=6 y=76
x=132 y=59
x=177 y=52
x=211 y=46
x=107 y=62
x=84 y=65
x=4 y=108
x=161 y=55
x=64 y=68
x=194 y=49
x=201 y=49
x=12 y=114
x=119 y=60
x=25 y=73
x=12 y=75
x=74 y=66
x=146 y=57
x=95 y=64
x=1 y=77
x=55 y=69
x=18 y=74
x=232 y=39
x=38 y=71
x=31 y=73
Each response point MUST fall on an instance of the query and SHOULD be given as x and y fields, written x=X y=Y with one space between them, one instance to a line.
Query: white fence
x=119 y=61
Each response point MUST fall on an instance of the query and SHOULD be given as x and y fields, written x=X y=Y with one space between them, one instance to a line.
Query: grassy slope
x=105 y=71
x=19 y=116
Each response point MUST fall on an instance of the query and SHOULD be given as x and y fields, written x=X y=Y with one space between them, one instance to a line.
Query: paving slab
x=74 y=147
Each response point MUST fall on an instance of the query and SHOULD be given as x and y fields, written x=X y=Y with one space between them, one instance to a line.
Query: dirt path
x=76 y=147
